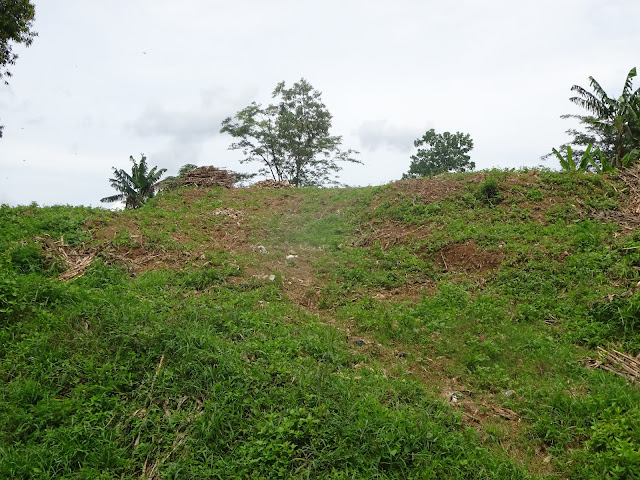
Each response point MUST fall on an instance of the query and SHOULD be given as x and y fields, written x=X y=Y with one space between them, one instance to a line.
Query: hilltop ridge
x=430 y=328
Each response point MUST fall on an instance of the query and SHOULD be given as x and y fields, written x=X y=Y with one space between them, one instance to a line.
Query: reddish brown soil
x=107 y=231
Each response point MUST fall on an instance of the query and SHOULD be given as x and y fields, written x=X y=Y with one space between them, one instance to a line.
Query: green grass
x=200 y=368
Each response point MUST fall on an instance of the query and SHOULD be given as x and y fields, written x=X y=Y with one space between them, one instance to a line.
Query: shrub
x=488 y=192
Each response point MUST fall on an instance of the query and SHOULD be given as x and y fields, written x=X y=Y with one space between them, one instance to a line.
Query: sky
x=107 y=80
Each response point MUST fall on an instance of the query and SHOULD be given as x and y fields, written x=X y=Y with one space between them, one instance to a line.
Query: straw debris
x=207 y=176
x=618 y=363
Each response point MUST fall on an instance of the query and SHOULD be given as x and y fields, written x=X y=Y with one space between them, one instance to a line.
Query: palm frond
x=121 y=197
x=590 y=102
x=598 y=90
x=628 y=84
x=155 y=175
x=121 y=179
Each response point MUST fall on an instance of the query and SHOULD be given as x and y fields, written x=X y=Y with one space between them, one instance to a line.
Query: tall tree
x=16 y=21
x=291 y=138
x=439 y=153
x=135 y=188
x=613 y=124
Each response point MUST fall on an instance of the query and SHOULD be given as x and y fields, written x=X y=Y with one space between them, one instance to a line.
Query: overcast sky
x=108 y=79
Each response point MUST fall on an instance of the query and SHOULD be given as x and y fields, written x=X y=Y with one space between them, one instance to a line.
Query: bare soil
x=467 y=257
x=430 y=189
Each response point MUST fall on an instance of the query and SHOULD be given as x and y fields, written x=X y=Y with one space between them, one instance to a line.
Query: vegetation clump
x=612 y=126
x=292 y=138
x=488 y=191
x=137 y=187
x=207 y=176
x=439 y=153
x=16 y=27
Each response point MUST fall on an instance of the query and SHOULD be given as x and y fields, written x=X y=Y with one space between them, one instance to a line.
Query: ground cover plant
x=429 y=328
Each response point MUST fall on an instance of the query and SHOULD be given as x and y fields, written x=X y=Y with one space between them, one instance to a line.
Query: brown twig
x=618 y=363
x=153 y=382
x=444 y=261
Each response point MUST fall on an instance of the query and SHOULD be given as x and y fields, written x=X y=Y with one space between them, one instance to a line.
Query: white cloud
x=188 y=123
x=5 y=199
x=378 y=134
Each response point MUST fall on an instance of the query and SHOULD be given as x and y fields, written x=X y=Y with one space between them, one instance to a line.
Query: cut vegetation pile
x=207 y=177
x=480 y=325
x=618 y=363
x=76 y=261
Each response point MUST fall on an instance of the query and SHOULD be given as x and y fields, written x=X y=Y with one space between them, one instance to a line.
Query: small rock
x=260 y=249
x=265 y=277
x=508 y=393
x=291 y=257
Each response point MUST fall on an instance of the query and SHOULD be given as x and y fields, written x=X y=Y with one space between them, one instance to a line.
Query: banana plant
x=568 y=163
x=617 y=120
x=135 y=188
x=598 y=160
x=595 y=159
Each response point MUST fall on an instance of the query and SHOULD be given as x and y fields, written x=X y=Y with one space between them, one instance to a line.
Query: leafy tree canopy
x=172 y=181
x=439 y=153
x=138 y=186
x=612 y=125
x=16 y=20
x=290 y=138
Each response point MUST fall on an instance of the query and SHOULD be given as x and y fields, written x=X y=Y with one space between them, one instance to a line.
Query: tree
x=135 y=188
x=613 y=125
x=16 y=20
x=442 y=153
x=291 y=138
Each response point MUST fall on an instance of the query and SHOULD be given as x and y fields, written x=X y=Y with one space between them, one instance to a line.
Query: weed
x=613 y=449
x=488 y=191
x=535 y=195
x=123 y=239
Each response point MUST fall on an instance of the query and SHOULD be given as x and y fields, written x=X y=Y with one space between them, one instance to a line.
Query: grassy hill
x=427 y=329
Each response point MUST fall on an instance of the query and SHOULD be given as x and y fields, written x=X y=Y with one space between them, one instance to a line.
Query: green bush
x=488 y=192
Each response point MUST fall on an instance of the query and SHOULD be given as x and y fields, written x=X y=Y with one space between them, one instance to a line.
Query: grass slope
x=424 y=329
